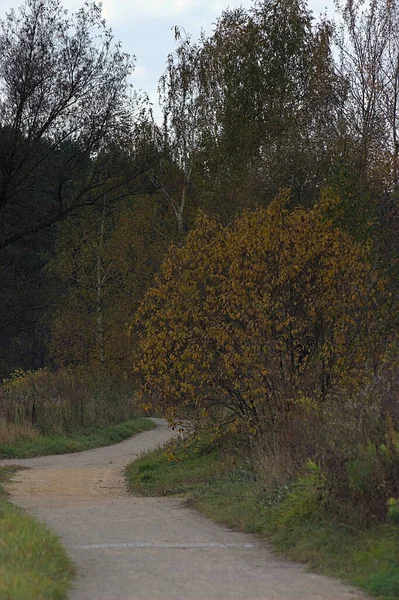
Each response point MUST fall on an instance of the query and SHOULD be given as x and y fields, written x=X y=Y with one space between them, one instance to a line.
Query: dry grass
x=10 y=432
x=61 y=402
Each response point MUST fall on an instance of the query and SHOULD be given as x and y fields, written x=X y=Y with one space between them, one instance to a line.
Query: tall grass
x=60 y=402
x=353 y=440
x=10 y=432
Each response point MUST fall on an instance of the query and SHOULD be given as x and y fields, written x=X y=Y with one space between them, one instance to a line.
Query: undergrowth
x=56 y=403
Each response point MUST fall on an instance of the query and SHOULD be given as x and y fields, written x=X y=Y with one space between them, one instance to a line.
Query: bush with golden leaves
x=246 y=321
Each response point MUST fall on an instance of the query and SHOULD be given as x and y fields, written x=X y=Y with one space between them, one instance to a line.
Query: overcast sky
x=145 y=28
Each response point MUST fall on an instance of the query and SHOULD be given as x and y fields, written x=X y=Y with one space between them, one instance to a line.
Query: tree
x=369 y=67
x=106 y=259
x=246 y=320
x=64 y=94
x=182 y=100
x=26 y=301
x=363 y=40
x=253 y=107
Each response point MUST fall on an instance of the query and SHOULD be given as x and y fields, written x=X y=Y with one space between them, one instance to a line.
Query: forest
x=234 y=266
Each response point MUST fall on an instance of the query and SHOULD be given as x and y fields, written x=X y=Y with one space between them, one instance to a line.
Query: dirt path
x=128 y=548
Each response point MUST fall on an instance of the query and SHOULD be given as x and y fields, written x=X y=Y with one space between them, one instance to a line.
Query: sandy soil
x=128 y=548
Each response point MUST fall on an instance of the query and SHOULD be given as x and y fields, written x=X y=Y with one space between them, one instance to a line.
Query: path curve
x=128 y=548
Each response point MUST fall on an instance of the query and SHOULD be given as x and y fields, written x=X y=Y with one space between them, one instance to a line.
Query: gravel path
x=128 y=548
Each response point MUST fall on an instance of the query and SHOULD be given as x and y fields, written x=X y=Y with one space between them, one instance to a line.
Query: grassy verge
x=86 y=439
x=33 y=564
x=227 y=493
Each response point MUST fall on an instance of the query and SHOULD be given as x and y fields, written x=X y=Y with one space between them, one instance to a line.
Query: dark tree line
x=66 y=114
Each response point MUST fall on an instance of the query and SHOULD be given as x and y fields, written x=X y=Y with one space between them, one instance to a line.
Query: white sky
x=145 y=28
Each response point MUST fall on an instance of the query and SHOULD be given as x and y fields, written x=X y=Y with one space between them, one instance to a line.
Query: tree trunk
x=99 y=299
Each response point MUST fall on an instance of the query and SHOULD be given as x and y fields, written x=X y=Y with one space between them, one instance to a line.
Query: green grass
x=33 y=564
x=93 y=437
x=156 y=474
x=227 y=493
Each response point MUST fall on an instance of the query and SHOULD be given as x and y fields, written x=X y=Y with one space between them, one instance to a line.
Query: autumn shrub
x=60 y=402
x=248 y=320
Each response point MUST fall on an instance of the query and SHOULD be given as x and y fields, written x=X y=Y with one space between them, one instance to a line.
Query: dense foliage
x=279 y=329
x=278 y=307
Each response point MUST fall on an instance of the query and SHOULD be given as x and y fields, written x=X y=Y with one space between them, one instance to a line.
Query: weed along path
x=128 y=548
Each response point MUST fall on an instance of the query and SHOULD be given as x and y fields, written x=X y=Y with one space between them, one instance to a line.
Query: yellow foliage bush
x=244 y=321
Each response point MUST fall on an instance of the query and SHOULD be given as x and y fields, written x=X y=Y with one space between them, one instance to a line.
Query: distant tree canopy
x=276 y=99
x=254 y=106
